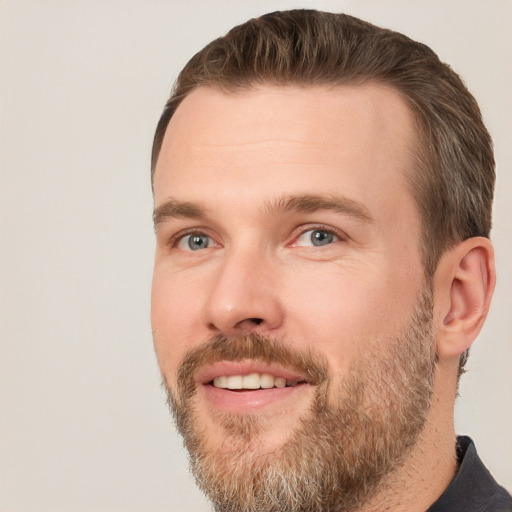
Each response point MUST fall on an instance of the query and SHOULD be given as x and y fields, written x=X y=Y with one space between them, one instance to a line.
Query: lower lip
x=250 y=400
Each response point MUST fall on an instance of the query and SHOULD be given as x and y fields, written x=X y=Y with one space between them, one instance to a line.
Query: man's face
x=288 y=264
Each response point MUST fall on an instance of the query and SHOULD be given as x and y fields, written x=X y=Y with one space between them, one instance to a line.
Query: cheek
x=175 y=308
x=340 y=313
x=332 y=317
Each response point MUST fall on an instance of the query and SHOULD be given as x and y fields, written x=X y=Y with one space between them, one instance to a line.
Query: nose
x=244 y=296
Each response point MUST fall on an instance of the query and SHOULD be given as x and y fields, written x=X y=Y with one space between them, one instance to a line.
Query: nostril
x=256 y=321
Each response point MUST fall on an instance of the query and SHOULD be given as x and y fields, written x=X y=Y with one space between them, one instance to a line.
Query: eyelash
x=174 y=240
x=318 y=227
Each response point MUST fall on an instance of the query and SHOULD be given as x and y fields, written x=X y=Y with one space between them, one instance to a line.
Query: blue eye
x=194 y=242
x=316 y=238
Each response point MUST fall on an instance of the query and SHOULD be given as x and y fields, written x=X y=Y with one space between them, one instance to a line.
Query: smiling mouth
x=248 y=386
x=252 y=381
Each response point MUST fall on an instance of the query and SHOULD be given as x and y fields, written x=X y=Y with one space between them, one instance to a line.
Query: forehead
x=355 y=140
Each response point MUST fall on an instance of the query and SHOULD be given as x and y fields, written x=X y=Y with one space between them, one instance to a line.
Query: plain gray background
x=83 y=424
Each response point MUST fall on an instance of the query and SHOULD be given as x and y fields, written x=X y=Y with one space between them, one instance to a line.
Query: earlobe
x=464 y=284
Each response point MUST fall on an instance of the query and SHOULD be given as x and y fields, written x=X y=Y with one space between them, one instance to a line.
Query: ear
x=463 y=286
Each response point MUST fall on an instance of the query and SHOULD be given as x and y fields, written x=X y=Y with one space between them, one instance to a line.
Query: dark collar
x=473 y=488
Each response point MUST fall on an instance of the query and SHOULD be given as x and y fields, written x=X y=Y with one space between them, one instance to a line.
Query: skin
x=260 y=272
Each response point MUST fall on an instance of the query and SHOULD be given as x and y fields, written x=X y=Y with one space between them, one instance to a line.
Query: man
x=323 y=192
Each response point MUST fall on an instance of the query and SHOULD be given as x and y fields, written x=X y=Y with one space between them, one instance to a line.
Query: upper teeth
x=252 y=381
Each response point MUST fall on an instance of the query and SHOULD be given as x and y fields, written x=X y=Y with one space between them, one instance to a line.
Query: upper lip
x=228 y=368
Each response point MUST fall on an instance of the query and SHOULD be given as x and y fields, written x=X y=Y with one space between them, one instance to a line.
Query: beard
x=342 y=448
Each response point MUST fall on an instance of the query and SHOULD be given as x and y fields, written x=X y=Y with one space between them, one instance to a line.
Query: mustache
x=250 y=346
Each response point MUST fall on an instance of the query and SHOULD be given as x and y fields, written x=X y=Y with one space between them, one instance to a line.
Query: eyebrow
x=314 y=203
x=176 y=209
x=173 y=208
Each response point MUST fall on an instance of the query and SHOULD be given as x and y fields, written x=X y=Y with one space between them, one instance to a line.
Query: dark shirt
x=473 y=489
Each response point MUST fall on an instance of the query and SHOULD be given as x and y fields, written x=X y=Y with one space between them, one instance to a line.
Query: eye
x=316 y=238
x=194 y=242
